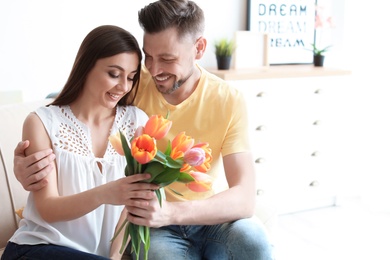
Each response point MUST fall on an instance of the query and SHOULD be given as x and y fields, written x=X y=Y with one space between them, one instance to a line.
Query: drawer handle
x=318 y=91
x=260 y=94
x=260 y=128
x=259 y=192
x=314 y=183
x=315 y=154
x=259 y=160
x=317 y=122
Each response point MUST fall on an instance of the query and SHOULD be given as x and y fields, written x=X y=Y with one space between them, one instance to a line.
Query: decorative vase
x=318 y=60
x=223 y=62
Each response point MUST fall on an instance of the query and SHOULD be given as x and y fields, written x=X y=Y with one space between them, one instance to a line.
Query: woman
x=76 y=214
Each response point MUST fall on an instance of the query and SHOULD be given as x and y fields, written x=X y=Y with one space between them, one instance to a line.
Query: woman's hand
x=128 y=190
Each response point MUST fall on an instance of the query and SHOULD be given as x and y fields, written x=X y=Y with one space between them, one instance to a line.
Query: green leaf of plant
x=134 y=238
x=159 y=197
x=127 y=151
x=119 y=230
x=147 y=244
x=176 y=192
x=141 y=232
x=224 y=47
x=185 y=177
x=129 y=170
x=177 y=164
x=125 y=238
x=168 y=149
x=167 y=177
x=154 y=168
x=160 y=157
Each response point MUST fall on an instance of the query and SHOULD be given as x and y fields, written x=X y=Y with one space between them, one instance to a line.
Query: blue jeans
x=241 y=239
x=43 y=251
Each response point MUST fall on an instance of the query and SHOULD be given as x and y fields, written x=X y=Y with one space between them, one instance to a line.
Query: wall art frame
x=290 y=26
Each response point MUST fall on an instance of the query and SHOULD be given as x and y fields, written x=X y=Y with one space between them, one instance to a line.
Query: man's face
x=170 y=60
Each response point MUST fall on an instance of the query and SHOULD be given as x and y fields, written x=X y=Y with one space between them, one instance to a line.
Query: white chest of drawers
x=294 y=113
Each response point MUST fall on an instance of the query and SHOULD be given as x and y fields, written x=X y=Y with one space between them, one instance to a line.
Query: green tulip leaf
x=185 y=178
x=176 y=192
x=141 y=232
x=177 y=164
x=166 y=177
x=155 y=169
x=128 y=156
x=159 y=197
x=169 y=148
x=160 y=157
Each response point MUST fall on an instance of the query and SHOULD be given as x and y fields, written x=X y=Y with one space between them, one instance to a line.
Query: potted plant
x=318 y=57
x=224 y=49
x=323 y=21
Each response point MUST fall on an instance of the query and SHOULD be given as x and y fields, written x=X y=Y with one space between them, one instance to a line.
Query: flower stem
x=120 y=229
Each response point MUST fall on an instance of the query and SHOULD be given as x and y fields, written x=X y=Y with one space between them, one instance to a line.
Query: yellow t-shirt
x=214 y=113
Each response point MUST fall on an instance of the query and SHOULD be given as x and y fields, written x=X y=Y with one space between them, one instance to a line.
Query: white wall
x=365 y=42
x=40 y=38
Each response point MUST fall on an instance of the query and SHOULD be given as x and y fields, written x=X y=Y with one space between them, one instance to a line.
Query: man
x=210 y=225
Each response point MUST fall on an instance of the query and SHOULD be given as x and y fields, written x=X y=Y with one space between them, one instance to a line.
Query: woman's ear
x=201 y=44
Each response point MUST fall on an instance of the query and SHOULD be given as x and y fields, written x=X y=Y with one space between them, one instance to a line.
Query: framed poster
x=289 y=25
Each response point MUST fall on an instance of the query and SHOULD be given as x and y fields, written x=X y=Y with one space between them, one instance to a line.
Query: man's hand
x=148 y=212
x=31 y=171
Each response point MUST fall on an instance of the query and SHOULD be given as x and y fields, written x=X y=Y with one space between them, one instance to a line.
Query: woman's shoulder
x=47 y=109
x=51 y=112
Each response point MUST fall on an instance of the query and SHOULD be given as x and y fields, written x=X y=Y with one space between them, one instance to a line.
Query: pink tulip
x=195 y=156
x=139 y=131
x=206 y=165
x=203 y=182
x=115 y=141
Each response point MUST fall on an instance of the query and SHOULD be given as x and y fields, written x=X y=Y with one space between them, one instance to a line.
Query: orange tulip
x=203 y=182
x=186 y=167
x=115 y=141
x=143 y=148
x=181 y=144
x=157 y=127
x=205 y=166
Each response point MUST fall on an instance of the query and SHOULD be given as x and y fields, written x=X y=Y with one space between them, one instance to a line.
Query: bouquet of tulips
x=183 y=161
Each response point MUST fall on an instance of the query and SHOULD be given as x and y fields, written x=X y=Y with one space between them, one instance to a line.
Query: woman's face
x=111 y=78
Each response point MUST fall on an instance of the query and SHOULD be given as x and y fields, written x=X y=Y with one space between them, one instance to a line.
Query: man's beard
x=177 y=84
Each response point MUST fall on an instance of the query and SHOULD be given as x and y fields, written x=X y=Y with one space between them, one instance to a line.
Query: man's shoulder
x=214 y=80
x=215 y=83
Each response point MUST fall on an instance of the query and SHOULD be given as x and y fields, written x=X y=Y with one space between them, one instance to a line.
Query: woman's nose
x=125 y=85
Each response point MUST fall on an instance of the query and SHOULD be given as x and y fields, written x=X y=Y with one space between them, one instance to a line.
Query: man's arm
x=31 y=170
x=237 y=202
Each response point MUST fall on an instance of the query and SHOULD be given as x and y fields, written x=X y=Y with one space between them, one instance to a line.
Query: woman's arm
x=53 y=207
x=31 y=171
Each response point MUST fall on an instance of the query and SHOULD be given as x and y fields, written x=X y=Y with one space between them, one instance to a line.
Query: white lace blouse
x=78 y=171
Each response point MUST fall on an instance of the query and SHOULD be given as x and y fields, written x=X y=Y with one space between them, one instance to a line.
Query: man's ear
x=201 y=44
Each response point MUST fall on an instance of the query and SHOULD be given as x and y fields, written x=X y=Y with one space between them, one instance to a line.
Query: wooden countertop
x=279 y=71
